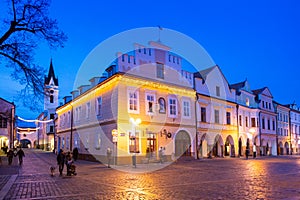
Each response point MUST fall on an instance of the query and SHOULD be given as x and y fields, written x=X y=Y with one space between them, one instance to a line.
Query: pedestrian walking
x=61 y=161
x=160 y=155
x=75 y=153
x=108 y=154
x=10 y=155
x=254 y=150
x=20 y=155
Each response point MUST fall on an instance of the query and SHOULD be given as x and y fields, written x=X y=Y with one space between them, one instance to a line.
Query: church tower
x=50 y=97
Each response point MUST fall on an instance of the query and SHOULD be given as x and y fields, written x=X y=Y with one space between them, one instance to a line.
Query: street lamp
x=135 y=122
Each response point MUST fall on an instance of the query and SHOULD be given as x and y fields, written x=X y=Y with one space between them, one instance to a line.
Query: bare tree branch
x=27 y=24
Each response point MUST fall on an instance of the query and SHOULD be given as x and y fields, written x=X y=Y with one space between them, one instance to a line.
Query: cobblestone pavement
x=223 y=178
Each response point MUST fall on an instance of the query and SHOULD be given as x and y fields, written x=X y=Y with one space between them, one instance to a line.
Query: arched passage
x=218 y=146
x=25 y=143
x=286 y=147
x=203 y=146
x=229 y=146
x=182 y=144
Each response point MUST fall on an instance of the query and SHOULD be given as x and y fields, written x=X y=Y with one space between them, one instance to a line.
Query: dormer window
x=247 y=102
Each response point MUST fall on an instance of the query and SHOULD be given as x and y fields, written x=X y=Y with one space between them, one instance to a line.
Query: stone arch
x=182 y=144
x=217 y=150
x=203 y=146
x=286 y=148
x=280 y=148
x=241 y=145
x=229 y=146
x=25 y=143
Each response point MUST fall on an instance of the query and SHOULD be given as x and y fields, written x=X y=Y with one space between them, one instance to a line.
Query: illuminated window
x=186 y=108
x=150 y=100
x=253 y=122
x=133 y=101
x=97 y=141
x=172 y=107
x=247 y=102
x=134 y=142
x=99 y=106
x=160 y=70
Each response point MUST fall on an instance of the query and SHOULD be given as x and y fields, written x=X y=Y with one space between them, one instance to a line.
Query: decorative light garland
x=27 y=129
x=35 y=120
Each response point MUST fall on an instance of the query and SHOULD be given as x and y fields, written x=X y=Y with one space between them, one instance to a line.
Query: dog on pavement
x=52 y=169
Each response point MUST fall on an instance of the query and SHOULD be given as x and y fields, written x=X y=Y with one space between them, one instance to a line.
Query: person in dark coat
x=75 y=153
x=10 y=155
x=20 y=154
x=61 y=161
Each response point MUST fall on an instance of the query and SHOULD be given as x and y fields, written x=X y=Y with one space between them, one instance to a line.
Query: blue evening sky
x=257 y=40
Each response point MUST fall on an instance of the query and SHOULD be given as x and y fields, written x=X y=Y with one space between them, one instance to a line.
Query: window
x=247 y=102
x=217 y=117
x=240 y=120
x=263 y=123
x=51 y=129
x=160 y=70
x=263 y=104
x=133 y=101
x=218 y=91
x=99 y=106
x=134 y=142
x=269 y=125
x=253 y=122
x=162 y=105
x=88 y=109
x=172 y=107
x=68 y=143
x=270 y=106
x=63 y=143
x=3 y=122
x=150 y=99
x=203 y=114
x=246 y=120
x=78 y=113
x=76 y=141
x=273 y=125
x=149 y=52
x=228 y=120
x=186 y=109
x=97 y=141
x=52 y=116
x=51 y=99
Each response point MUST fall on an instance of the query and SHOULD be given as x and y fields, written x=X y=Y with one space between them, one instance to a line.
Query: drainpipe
x=260 y=144
x=238 y=130
x=290 y=129
x=197 y=153
x=71 y=131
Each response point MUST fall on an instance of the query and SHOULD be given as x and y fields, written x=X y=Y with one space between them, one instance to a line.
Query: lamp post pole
x=135 y=122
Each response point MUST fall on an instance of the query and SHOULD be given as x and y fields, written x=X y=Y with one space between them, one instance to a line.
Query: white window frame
x=186 y=108
x=147 y=103
x=131 y=91
x=99 y=102
x=170 y=109
x=88 y=109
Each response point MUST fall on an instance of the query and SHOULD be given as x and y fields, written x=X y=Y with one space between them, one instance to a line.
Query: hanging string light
x=27 y=129
x=35 y=120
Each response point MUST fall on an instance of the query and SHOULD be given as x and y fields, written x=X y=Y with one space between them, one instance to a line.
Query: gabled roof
x=203 y=74
x=238 y=86
x=258 y=91
x=51 y=74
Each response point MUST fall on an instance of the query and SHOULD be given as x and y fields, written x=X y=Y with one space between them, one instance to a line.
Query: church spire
x=51 y=74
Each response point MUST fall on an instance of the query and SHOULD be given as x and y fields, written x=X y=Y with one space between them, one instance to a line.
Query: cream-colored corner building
x=147 y=102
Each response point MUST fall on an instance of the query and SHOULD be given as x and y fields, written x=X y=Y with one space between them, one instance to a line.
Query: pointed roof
x=239 y=85
x=203 y=73
x=51 y=74
x=258 y=91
